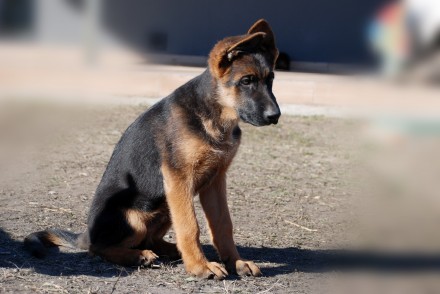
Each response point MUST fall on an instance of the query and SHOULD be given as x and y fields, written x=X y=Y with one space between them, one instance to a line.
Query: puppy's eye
x=247 y=80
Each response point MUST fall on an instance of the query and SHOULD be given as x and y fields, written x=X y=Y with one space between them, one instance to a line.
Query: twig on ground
x=117 y=280
x=55 y=209
x=300 y=226
x=267 y=290
x=51 y=287
x=226 y=286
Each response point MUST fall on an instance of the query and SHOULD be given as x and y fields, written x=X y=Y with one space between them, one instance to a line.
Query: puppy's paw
x=208 y=270
x=147 y=258
x=245 y=268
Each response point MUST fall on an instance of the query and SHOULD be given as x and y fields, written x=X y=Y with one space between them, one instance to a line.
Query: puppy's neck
x=220 y=118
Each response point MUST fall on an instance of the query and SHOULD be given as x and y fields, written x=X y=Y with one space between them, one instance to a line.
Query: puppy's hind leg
x=125 y=249
x=126 y=256
x=166 y=249
x=157 y=229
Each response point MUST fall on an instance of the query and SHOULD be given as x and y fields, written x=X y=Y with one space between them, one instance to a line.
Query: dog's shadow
x=56 y=263
x=273 y=261
x=279 y=261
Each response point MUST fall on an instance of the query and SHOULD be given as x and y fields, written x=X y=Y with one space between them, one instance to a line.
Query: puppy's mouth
x=255 y=121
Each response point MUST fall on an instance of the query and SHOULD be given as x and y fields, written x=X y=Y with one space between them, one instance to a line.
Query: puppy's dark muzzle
x=272 y=117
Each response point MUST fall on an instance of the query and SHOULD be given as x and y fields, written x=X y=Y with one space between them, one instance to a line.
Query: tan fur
x=194 y=160
x=148 y=228
x=227 y=49
x=137 y=220
x=269 y=42
x=126 y=256
x=198 y=160
x=249 y=67
x=215 y=133
x=192 y=165
x=253 y=38
x=198 y=164
x=179 y=192
x=229 y=117
x=54 y=240
x=213 y=200
x=158 y=225
x=227 y=98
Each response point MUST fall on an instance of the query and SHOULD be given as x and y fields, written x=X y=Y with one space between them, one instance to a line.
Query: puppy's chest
x=201 y=157
x=219 y=154
x=211 y=151
x=211 y=162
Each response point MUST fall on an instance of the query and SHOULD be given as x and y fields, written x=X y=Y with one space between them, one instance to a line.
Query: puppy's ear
x=249 y=43
x=225 y=51
x=268 y=43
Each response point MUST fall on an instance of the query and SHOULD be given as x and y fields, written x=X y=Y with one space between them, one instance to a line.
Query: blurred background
x=315 y=32
x=78 y=48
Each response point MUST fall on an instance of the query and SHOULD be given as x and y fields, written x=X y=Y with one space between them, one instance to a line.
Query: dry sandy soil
x=290 y=195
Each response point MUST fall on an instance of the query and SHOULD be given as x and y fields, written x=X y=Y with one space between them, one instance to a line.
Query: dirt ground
x=289 y=188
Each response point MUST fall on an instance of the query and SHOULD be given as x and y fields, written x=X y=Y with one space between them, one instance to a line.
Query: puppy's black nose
x=272 y=116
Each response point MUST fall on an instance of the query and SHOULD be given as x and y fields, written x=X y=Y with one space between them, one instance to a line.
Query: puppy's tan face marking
x=229 y=93
x=248 y=66
x=246 y=87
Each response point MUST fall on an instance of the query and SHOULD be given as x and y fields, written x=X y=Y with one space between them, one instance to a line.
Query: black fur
x=258 y=104
x=38 y=242
x=192 y=136
x=133 y=177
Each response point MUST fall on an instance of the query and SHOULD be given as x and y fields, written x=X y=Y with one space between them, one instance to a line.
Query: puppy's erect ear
x=260 y=25
x=248 y=44
x=225 y=51
x=269 y=41
x=259 y=38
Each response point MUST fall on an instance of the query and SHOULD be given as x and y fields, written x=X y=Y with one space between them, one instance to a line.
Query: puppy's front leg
x=179 y=196
x=214 y=202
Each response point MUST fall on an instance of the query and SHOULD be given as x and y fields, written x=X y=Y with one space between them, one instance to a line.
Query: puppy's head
x=243 y=67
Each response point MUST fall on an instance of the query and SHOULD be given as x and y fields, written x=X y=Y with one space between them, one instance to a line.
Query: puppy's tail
x=38 y=242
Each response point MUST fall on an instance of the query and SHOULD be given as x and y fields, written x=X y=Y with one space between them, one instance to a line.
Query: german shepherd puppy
x=180 y=147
